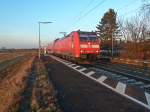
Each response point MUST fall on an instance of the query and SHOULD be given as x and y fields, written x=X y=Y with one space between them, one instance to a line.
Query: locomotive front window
x=83 y=38
x=92 y=38
x=88 y=39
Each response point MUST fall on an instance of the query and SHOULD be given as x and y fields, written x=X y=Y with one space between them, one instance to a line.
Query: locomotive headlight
x=81 y=51
x=97 y=51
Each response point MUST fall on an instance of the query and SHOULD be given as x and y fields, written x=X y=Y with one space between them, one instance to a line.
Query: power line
x=86 y=7
x=96 y=6
x=92 y=9
x=82 y=16
x=81 y=12
x=129 y=12
x=127 y=5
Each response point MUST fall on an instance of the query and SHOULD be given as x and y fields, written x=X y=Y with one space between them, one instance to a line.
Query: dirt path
x=27 y=89
x=11 y=86
x=26 y=95
x=39 y=94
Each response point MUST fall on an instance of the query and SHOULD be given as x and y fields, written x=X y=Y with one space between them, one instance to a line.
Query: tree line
x=130 y=35
x=135 y=28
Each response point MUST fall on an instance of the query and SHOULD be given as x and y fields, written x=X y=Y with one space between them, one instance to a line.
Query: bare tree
x=146 y=6
x=136 y=31
x=122 y=29
x=145 y=10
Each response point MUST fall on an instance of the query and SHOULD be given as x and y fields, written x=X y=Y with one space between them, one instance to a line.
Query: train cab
x=89 y=45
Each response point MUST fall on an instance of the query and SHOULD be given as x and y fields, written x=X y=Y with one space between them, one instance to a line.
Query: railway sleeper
x=130 y=81
x=139 y=84
x=122 y=79
x=146 y=88
x=116 y=76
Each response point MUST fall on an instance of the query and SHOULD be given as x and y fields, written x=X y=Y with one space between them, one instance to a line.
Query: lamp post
x=112 y=43
x=40 y=37
x=112 y=46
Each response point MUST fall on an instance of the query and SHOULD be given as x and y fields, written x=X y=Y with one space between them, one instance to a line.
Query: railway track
x=126 y=74
x=139 y=70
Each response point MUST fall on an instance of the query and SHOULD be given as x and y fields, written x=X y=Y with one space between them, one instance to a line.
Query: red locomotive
x=78 y=46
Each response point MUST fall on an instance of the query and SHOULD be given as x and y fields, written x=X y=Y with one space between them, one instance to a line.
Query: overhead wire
x=88 y=12
x=91 y=1
x=81 y=15
x=82 y=11
x=126 y=6
x=100 y=3
x=129 y=12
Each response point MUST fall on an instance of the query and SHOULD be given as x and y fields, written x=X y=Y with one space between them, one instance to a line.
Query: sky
x=19 y=18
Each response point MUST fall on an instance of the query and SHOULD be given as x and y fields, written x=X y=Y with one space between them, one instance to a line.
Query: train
x=78 y=46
